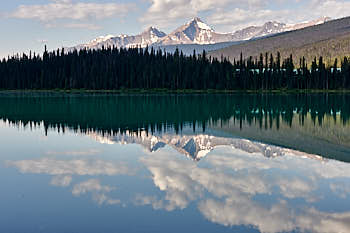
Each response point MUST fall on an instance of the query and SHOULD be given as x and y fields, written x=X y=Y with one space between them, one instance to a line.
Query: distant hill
x=330 y=40
x=188 y=49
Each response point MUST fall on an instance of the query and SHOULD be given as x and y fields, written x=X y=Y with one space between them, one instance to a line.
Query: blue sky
x=28 y=24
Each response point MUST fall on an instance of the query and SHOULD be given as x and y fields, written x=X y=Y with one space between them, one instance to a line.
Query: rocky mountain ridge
x=194 y=32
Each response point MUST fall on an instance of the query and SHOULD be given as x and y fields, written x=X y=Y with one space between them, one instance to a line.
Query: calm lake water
x=174 y=163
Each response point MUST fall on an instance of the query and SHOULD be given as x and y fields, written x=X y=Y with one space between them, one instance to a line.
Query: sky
x=31 y=24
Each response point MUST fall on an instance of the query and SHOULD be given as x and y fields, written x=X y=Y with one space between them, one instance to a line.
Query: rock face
x=195 y=32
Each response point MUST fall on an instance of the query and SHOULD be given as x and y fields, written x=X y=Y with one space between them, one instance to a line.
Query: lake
x=174 y=163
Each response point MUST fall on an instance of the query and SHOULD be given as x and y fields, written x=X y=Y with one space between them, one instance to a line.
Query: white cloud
x=65 y=9
x=238 y=18
x=229 y=19
x=230 y=15
x=331 y=8
x=88 y=26
x=166 y=13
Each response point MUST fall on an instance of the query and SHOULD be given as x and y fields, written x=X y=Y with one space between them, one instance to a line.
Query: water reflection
x=313 y=123
x=229 y=189
x=117 y=113
x=237 y=182
x=236 y=178
x=140 y=153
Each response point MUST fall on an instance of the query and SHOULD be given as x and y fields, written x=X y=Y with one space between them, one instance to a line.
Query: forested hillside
x=330 y=40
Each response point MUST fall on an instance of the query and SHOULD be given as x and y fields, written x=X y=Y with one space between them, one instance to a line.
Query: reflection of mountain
x=198 y=146
x=315 y=123
x=236 y=185
x=327 y=138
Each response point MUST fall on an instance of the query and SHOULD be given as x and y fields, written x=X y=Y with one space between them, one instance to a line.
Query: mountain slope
x=327 y=39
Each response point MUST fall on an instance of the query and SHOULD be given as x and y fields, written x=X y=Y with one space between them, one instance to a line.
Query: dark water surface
x=174 y=163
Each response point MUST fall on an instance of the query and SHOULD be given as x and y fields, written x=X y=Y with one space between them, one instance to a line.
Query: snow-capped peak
x=204 y=26
x=322 y=20
x=200 y=24
x=101 y=39
x=154 y=31
x=318 y=21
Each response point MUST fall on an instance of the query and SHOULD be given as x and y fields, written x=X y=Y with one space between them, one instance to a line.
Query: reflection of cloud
x=98 y=191
x=244 y=162
x=277 y=218
x=150 y=200
x=62 y=181
x=183 y=180
x=92 y=185
x=296 y=188
x=317 y=221
x=69 y=167
x=243 y=211
x=75 y=153
x=103 y=199
x=178 y=186
x=340 y=189
x=329 y=170
x=233 y=178
x=64 y=169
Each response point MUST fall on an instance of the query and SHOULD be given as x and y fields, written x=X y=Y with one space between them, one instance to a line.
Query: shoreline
x=168 y=91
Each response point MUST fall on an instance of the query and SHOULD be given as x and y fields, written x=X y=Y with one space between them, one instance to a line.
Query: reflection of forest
x=314 y=123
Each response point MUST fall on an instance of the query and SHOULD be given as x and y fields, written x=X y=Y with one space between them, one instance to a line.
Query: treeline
x=268 y=73
x=137 y=68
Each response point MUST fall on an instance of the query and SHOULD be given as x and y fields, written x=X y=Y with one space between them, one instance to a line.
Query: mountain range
x=195 y=32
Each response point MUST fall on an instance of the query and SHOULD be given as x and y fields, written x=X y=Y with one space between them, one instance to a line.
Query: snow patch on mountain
x=204 y=26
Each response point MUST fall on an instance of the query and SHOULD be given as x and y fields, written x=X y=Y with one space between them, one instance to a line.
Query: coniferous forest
x=138 y=68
